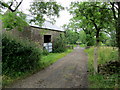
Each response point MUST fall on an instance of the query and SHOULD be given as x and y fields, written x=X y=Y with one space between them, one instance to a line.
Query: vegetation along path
x=68 y=72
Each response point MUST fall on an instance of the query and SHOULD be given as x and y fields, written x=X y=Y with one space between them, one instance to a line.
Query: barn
x=44 y=35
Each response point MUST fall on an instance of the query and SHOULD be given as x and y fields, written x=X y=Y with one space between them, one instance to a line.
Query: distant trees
x=71 y=36
x=82 y=37
x=96 y=20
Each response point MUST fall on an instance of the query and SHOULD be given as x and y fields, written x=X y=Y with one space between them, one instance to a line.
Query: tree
x=71 y=33
x=11 y=4
x=13 y=20
x=116 y=14
x=40 y=10
x=96 y=16
x=82 y=37
x=71 y=36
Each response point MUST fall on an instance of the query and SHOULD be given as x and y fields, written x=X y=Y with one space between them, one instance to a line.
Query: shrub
x=45 y=52
x=59 y=44
x=18 y=55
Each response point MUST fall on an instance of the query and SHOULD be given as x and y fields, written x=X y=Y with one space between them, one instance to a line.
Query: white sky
x=64 y=14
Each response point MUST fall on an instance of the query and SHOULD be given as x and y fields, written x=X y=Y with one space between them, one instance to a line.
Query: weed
x=105 y=55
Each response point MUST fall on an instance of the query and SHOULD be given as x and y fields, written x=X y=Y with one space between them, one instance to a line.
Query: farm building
x=44 y=35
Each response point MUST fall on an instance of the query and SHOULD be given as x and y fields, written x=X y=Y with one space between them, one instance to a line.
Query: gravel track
x=68 y=72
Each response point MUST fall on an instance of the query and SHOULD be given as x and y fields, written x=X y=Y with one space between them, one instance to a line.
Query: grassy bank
x=43 y=63
x=52 y=57
x=105 y=55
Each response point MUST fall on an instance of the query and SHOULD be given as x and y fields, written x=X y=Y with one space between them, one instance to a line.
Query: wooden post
x=96 y=60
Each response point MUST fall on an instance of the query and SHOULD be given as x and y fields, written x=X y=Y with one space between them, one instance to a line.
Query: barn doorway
x=47 y=38
x=47 y=43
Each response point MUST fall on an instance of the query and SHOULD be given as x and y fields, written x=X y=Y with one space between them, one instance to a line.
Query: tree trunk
x=96 y=60
x=118 y=30
x=96 y=52
x=117 y=22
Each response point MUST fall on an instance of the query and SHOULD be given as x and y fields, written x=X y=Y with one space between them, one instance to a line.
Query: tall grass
x=105 y=54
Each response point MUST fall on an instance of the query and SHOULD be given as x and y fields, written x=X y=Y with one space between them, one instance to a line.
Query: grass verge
x=105 y=54
x=43 y=63
x=52 y=57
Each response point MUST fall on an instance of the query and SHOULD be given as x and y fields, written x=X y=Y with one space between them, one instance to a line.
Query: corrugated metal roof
x=50 y=26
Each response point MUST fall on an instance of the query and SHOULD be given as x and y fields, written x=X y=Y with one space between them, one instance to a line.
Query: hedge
x=18 y=55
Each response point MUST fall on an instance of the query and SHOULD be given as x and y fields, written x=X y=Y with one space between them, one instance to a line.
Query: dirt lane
x=68 y=72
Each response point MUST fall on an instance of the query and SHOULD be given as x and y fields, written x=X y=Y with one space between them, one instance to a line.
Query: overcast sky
x=64 y=14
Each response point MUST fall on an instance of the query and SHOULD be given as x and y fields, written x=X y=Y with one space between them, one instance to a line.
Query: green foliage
x=92 y=17
x=43 y=63
x=100 y=81
x=71 y=36
x=90 y=40
x=52 y=57
x=82 y=45
x=3 y=5
x=13 y=20
x=59 y=44
x=112 y=40
x=105 y=54
x=0 y=16
x=45 y=52
x=40 y=9
x=82 y=37
x=18 y=56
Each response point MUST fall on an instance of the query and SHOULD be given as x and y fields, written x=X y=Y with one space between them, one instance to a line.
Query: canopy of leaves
x=92 y=16
x=71 y=37
x=41 y=9
x=13 y=20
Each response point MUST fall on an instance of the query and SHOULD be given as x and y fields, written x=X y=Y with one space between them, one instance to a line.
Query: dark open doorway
x=47 y=38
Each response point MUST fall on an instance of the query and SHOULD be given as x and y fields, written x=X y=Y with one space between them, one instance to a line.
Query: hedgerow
x=18 y=55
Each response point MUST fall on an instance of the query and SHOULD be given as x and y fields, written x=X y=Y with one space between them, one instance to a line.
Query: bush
x=18 y=55
x=45 y=52
x=59 y=44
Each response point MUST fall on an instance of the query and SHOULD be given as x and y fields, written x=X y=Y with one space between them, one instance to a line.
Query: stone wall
x=36 y=34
